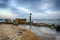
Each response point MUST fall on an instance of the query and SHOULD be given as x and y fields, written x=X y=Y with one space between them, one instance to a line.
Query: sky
x=40 y=9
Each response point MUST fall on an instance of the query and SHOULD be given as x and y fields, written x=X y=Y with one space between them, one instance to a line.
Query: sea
x=47 y=21
x=44 y=33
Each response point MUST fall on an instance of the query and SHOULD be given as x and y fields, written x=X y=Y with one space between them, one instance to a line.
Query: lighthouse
x=30 y=20
x=30 y=17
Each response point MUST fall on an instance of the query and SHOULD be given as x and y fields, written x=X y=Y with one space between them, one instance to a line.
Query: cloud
x=23 y=9
x=40 y=9
x=12 y=3
x=7 y=14
x=46 y=4
x=47 y=15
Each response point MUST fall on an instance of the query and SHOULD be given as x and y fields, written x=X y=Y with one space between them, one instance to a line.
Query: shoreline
x=38 y=33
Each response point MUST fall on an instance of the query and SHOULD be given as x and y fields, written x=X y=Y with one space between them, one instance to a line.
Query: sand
x=11 y=32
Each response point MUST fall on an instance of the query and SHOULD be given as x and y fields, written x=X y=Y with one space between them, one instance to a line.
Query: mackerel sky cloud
x=40 y=9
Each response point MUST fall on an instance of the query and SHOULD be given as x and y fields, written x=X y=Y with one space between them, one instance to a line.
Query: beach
x=11 y=32
x=36 y=33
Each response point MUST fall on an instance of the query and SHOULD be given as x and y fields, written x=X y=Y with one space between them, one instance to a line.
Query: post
x=30 y=20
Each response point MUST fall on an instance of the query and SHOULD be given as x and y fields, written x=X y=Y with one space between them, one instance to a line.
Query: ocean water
x=45 y=33
x=48 y=21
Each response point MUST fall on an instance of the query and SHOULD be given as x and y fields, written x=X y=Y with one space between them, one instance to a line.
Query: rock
x=57 y=28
